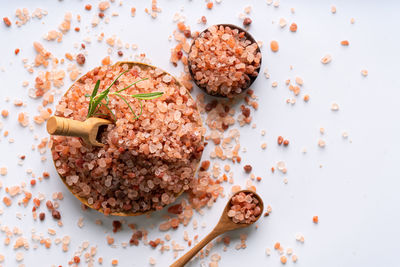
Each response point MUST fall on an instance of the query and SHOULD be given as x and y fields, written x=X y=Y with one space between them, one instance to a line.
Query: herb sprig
x=102 y=99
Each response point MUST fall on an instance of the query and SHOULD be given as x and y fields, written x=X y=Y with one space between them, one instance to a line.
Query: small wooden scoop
x=225 y=224
x=88 y=130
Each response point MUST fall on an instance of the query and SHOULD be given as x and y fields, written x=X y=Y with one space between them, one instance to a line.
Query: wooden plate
x=84 y=200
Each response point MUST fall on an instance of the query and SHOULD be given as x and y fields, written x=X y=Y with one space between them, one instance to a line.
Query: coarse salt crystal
x=264 y=145
x=334 y=107
x=326 y=59
x=321 y=143
x=19 y=256
x=300 y=237
x=282 y=22
x=281 y=165
x=299 y=80
x=364 y=73
x=3 y=171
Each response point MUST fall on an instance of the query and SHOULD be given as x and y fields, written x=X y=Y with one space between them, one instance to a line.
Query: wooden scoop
x=225 y=224
x=88 y=130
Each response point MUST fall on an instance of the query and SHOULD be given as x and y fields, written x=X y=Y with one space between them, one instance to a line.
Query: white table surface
x=356 y=191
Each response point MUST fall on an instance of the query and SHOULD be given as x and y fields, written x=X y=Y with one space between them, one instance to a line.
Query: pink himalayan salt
x=223 y=61
x=200 y=194
x=145 y=163
x=65 y=25
x=244 y=208
x=23 y=119
x=104 y=5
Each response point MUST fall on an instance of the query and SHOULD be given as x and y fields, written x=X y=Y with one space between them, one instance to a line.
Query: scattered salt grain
x=321 y=143
x=281 y=165
x=264 y=145
x=294 y=258
x=19 y=256
x=3 y=171
x=334 y=107
x=326 y=59
x=282 y=22
x=299 y=80
x=364 y=73
x=152 y=261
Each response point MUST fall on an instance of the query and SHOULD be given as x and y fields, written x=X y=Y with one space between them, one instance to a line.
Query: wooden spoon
x=88 y=130
x=225 y=224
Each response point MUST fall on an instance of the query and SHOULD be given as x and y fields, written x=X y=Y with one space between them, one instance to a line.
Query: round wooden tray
x=83 y=200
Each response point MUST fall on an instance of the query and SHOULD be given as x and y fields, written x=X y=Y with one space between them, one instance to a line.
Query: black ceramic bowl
x=251 y=78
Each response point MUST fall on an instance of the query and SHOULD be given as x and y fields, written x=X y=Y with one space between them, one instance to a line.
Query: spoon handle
x=191 y=253
x=67 y=127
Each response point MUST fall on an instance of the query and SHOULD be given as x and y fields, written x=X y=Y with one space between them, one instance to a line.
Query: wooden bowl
x=84 y=200
x=248 y=37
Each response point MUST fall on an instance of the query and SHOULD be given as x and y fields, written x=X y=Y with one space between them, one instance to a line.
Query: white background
x=355 y=193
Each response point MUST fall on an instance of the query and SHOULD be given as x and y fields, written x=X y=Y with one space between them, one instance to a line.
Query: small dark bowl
x=252 y=78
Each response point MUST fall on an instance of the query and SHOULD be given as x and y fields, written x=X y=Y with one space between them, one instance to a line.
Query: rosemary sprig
x=102 y=99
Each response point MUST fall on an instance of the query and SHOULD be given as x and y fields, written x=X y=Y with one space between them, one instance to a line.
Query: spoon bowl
x=224 y=225
x=252 y=78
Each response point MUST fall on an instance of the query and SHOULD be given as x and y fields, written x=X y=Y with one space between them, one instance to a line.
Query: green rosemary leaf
x=114 y=118
x=136 y=117
x=141 y=107
x=148 y=96
x=96 y=100
x=122 y=73
x=94 y=93
x=119 y=91
x=96 y=88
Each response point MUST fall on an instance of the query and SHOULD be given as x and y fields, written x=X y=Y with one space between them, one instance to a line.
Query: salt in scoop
x=89 y=130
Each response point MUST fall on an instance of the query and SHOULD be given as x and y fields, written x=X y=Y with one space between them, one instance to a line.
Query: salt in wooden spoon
x=88 y=130
x=225 y=224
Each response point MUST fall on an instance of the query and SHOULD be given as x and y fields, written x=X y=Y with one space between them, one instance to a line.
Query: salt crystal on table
x=3 y=171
